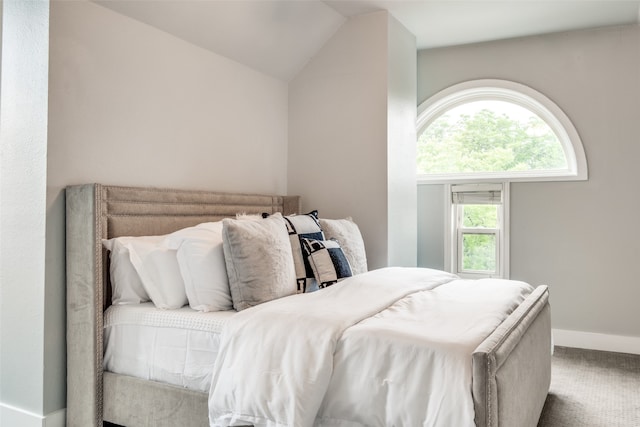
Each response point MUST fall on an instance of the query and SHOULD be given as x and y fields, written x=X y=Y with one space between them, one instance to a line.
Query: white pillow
x=125 y=283
x=202 y=266
x=204 y=273
x=146 y=268
x=347 y=233
x=206 y=231
x=157 y=266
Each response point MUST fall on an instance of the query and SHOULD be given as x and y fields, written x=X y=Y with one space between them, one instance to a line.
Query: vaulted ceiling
x=278 y=37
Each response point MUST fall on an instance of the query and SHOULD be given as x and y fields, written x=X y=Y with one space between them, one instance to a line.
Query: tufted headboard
x=95 y=212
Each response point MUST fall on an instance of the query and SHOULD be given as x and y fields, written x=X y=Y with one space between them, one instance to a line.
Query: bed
x=510 y=368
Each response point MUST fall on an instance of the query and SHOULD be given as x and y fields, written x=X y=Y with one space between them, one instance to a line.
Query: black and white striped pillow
x=327 y=260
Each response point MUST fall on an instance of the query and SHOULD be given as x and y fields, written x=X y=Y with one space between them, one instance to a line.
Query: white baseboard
x=595 y=341
x=11 y=416
x=56 y=419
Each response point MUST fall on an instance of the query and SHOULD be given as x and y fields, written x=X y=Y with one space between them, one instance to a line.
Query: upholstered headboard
x=95 y=212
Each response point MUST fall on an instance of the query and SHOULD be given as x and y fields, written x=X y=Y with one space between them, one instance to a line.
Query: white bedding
x=177 y=347
x=388 y=347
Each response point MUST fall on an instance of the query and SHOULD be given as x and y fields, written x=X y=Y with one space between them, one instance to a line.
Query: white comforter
x=388 y=347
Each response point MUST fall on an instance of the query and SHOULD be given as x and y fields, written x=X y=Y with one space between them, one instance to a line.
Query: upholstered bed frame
x=511 y=368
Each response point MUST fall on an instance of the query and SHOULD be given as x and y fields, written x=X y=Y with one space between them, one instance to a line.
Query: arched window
x=477 y=137
x=496 y=130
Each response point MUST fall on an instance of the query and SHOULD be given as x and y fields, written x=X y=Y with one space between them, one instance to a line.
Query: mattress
x=177 y=347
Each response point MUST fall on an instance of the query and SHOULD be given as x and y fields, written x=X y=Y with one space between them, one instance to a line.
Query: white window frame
x=515 y=93
x=453 y=238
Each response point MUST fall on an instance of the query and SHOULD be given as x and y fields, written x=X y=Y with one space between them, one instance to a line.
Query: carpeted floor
x=593 y=389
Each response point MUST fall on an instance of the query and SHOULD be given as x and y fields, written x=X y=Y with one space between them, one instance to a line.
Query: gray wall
x=350 y=153
x=577 y=237
x=401 y=147
x=431 y=226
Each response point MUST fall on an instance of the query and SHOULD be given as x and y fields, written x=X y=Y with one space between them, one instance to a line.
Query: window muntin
x=550 y=130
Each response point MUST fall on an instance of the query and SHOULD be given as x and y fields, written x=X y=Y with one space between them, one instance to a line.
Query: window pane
x=479 y=252
x=480 y=216
x=489 y=136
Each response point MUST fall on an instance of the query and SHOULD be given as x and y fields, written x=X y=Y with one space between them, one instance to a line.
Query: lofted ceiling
x=278 y=37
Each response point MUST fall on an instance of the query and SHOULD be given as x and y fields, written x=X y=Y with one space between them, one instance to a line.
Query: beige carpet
x=593 y=389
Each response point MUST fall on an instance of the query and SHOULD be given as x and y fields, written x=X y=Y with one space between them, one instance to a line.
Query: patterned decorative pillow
x=328 y=261
x=347 y=233
x=305 y=226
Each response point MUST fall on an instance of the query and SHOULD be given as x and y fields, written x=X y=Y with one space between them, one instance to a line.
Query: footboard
x=512 y=367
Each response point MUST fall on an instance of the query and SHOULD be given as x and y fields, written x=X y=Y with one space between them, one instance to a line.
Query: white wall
x=132 y=105
x=348 y=109
x=23 y=157
x=577 y=237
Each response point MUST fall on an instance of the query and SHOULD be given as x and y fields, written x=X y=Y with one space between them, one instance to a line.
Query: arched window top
x=487 y=130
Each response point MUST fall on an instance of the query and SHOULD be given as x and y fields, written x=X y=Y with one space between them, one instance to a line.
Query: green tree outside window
x=488 y=141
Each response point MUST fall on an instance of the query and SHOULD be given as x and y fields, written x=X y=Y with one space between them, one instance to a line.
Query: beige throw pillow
x=347 y=233
x=258 y=259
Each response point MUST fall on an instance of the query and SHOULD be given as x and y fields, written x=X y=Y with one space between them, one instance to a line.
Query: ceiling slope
x=272 y=36
x=278 y=37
